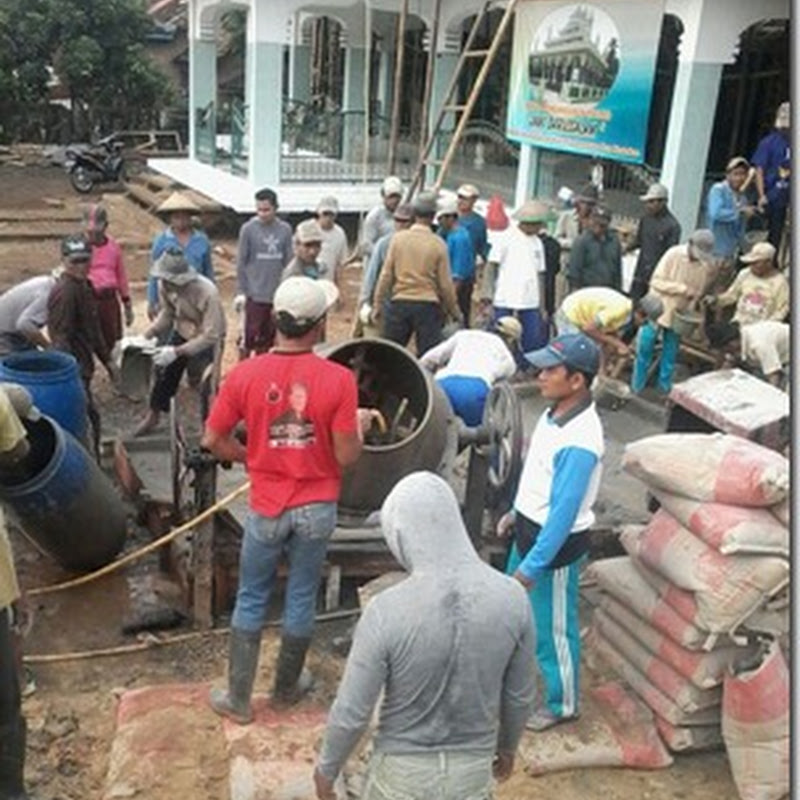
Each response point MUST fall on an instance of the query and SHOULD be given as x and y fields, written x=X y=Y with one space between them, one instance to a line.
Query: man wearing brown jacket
x=416 y=280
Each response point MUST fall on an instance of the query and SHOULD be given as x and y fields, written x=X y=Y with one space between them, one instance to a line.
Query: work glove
x=365 y=313
x=128 y=309
x=21 y=401
x=239 y=303
x=164 y=356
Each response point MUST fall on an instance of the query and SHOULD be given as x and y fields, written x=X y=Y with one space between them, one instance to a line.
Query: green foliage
x=95 y=49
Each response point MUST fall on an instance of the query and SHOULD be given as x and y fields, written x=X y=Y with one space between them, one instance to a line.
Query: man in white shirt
x=333 y=253
x=469 y=363
x=514 y=276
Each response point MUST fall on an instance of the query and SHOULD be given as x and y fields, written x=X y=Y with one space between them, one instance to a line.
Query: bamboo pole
x=398 y=86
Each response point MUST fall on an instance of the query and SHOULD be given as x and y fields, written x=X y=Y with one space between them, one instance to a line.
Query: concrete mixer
x=421 y=432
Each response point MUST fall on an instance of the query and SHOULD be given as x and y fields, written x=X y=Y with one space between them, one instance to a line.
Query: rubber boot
x=242 y=663
x=12 y=760
x=291 y=680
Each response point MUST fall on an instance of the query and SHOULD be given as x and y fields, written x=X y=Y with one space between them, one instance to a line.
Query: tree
x=94 y=48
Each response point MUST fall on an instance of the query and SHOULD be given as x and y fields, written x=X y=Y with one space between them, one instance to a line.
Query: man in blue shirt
x=727 y=213
x=461 y=253
x=552 y=515
x=181 y=234
x=471 y=220
x=772 y=161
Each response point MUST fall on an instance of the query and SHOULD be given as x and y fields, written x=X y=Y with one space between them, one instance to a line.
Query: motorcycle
x=99 y=163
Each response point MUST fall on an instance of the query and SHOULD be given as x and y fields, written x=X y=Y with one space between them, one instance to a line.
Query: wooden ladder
x=450 y=104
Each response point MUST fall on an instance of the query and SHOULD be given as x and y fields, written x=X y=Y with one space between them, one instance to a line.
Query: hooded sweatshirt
x=451 y=646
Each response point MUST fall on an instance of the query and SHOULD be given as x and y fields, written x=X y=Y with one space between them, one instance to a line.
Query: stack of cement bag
x=702 y=596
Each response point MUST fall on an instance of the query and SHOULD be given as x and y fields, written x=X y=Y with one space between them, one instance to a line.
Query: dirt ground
x=71 y=716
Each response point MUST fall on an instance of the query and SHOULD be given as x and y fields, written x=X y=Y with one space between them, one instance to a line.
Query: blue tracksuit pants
x=554 y=599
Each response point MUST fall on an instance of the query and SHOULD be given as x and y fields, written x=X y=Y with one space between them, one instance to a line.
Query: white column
x=691 y=122
x=527 y=174
x=202 y=81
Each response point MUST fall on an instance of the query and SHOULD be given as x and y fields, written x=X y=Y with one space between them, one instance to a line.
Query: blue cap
x=574 y=350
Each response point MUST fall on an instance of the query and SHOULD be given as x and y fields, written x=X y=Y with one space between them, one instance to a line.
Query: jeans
x=422 y=318
x=302 y=533
x=438 y=775
x=645 y=350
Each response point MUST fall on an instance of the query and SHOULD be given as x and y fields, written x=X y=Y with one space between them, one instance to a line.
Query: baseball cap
x=656 y=191
x=760 y=251
x=404 y=212
x=76 y=248
x=95 y=217
x=533 y=211
x=574 y=350
x=424 y=204
x=329 y=204
x=702 y=242
x=468 y=190
x=448 y=207
x=392 y=185
x=510 y=327
x=737 y=161
x=304 y=299
x=308 y=231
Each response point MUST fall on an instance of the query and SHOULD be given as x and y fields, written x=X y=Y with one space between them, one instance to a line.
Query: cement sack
x=704 y=670
x=625 y=587
x=729 y=529
x=677 y=687
x=711 y=467
x=687 y=740
x=773 y=622
x=655 y=699
x=615 y=729
x=782 y=511
x=755 y=727
x=727 y=589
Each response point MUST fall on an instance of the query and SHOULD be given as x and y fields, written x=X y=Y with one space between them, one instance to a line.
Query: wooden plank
x=143 y=195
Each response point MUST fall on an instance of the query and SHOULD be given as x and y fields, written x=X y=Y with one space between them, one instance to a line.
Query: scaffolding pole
x=428 y=93
x=398 y=86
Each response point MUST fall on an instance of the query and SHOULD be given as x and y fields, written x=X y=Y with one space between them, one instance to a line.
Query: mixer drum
x=418 y=414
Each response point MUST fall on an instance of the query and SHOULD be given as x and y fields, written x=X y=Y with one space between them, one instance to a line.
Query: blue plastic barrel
x=62 y=500
x=54 y=381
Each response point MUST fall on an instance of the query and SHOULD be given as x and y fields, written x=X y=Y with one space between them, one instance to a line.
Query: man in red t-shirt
x=303 y=427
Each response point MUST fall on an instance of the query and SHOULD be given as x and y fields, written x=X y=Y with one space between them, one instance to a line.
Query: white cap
x=392 y=185
x=447 y=206
x=305 y=299
x=468 y=190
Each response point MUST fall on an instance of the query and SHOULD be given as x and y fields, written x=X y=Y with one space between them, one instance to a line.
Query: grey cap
x=424 y=205
x=651 y=306
x=702 y=243
x=656 y=191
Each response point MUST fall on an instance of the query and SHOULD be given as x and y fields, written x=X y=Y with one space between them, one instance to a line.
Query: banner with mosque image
x=582 y=76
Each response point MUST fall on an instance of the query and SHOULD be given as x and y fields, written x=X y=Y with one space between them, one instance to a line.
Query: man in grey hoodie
x=451 y=649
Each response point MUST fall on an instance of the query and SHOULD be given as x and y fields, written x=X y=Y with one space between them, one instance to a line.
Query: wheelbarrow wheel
x=502 y=417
